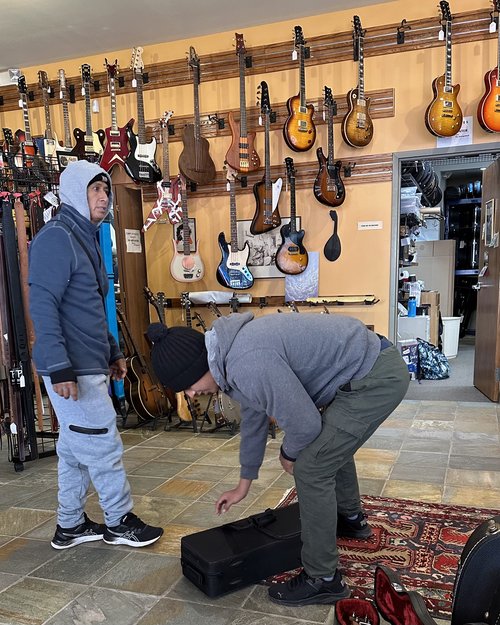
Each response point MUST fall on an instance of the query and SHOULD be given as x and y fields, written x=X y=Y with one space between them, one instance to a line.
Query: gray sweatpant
x=89 y=450
x=325 y=473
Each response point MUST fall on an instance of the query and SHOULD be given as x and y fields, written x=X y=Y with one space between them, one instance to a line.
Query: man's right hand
x=230 y=497
x=66 y=390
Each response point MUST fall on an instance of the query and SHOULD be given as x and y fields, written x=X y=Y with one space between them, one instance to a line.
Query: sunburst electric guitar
x=488 y=110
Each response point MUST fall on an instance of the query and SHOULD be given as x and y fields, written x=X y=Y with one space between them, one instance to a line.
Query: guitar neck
x=46 y=107
x=233 y=221
x=112 y=93
x=293 y=209
x=187 y=309
x=447 y=81
x=268 y=201
x=166 y=159
x=330 y=136
x=196 y=99
x=141 y=125
x=361 y=68
x=88 y=114
x=243 y=110
x=67 y=130
x=185 y=224
x=26 y=117
x=302 y=71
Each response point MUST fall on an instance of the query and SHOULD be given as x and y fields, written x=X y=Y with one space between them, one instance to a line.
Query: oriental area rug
x=421 y=541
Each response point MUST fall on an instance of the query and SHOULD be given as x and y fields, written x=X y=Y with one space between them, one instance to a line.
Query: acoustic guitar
x=357 y=125
x=195 y=162
x=329 y=188
x=488 y=110
x=299 y=130
x=89 y=144
x=241 y=155
x=267 y=192
x=443 y=117
x=291 y=257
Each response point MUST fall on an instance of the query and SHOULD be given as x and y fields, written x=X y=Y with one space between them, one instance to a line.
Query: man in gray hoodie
x=329 y=382
x=75 y=354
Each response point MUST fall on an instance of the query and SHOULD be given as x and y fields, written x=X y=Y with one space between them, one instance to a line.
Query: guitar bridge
x=302 y=125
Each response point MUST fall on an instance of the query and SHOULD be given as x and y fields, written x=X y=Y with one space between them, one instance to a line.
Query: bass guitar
x=50 y=141
x=488 y=110
x=89 y=144
x=291 y=257
x=329 y=188
x=140 y=164
x=195 y=162
x=116 y=148
x=267 y=192
x=443 y=117
x=357 y=125
x=64 y=153
x=299 y=130
x=232 y=271
x=241 y=155
x=185 y=265
x=26 y=151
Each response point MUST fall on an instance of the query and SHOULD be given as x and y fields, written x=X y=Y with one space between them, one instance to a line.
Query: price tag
x=294 y=55
x=60 y=95
x=441 y=35
x=260 y=120
x=324 y=116
x=493 y=27
x=95 y=106
x=20 y=102
x=83 y=91
x=134 y=83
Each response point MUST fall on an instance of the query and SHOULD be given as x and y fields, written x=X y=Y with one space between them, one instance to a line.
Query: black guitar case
x=478 y=577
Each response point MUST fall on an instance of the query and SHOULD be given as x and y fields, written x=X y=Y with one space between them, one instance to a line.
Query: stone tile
x=12 y=494
x=7 y=579
x=475 y=463
x=373 y=469
x=268 y=499
x=423 y=473
x=170 y=542
x=46 y=500
x=33 y=601
x=427 y=444
x=165 y=440
x=183 y=455
x=202 y=514
x=142 y=485
x=201 y=441
x=205 y=472
x=383 y=442
x=99 y=605
x=222 y=457
x=475 y=448
x=396 y=422
x=183 y=489
x=284 y=481
x=422 y=424
x=418 y=491
x=158 y=468
x=186 y=591
x=371 y=487
x=482 y=425
x=17 y=521
x=438 y=405
x=427 y=415
x=21 y=555
x=375 y=455
x=259 y=601
x=228 y=483
x=158 y=511
x=44 y=531
x=473 y=496
x=468 y=478
x=146 y=454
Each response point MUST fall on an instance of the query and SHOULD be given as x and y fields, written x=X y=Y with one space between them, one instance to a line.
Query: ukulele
x=357 y=125
x=65 y=153
x=26 y=151
x=291 y=257
x=195 y=162
x=50 y=141
x=232 y=271
x=328 y=187
x=299 y=130
x=443 y=117
x=140 y=164
x=267 y=192
x=89 y=144
x=116 y=148
x=185 y=265
x=241 y=155
x=488 y=110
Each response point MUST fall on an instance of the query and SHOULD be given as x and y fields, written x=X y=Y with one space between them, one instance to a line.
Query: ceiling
x=33 y=32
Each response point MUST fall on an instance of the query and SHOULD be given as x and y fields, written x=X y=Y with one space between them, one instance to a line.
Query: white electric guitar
x=50 y=142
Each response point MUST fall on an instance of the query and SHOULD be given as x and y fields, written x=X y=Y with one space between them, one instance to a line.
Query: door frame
x=457 y=152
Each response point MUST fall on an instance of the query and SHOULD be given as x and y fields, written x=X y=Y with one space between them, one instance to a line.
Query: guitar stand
x=220 y=423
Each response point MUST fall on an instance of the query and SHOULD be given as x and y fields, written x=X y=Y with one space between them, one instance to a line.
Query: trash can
x=451 y=333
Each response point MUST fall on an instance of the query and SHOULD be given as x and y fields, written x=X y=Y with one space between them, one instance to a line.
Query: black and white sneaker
x=88 y=531
x=305 y=590
x=132 y=531
x=353 y=528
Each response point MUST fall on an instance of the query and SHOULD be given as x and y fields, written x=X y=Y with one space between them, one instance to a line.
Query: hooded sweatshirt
x=65 y=304
x=286 y=366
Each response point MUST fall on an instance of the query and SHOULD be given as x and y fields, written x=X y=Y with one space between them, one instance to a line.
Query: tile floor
x=437 y=451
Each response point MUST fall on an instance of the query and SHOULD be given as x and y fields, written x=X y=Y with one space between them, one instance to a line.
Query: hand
x=287 y=465
x=118 y=369
x=66 y=390
x=230 y=497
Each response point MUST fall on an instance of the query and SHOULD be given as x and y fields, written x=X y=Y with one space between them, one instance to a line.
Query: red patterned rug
x=422 y=541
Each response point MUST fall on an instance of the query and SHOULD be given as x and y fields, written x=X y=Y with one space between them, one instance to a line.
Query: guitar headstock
x=21 y=85
x=265 y=104
x=112 y=70
x=358 y=30
x=165 y=118
x=445 y=11
x=8 y=137
x=231 y=174
x=194 y=64
x=86 y=74
x=290 y=168
x=43 y=81
x=185 y=301
x=212 y=307
x=240 y=44
x=62 y=79
x=298 y=39
x=136 y=64
x=328 y=98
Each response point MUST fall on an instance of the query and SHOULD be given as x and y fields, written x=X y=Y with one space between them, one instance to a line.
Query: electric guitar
x=241 y=155
x=116 y=148
x=443 y=117
x=50 y=141
x=291 y=257
x=27 y=151
x=329 y=188
x=299 y=130
x=140 y=164
x=267 y=192
x=89 y=144
x=195 y=162
x=186 y=266
x=357 y=125
x=232 y=271
x=169 y=198
x=65 y=152
x=488 y=110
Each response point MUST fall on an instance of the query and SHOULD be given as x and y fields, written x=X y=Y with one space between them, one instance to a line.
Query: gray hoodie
x=286 y=366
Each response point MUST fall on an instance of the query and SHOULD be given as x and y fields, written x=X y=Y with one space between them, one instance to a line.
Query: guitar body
x=186 y=267
x=241 y=155
x=89 y=150
x=232 y=271
x=262 y=221
x=443 y=117
x=116 y=148
x=143 y=394
x=357 y=125
x=26 y=148
x=299 y=130
x=488 y=110
x=329 y=188
x=169 y=201
x=140 y=164
x=50 y=147
x=203 y=171
x=291 y=257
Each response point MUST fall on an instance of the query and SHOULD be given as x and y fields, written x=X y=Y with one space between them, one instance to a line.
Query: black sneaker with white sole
x=306 y=590
x=132 y=531
x=88 y=531
x=353 y=528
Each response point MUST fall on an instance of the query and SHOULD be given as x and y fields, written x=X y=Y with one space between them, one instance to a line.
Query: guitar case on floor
x=234 y=555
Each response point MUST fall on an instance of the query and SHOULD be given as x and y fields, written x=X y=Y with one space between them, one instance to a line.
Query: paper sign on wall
x=133 y=241
x=463 y=136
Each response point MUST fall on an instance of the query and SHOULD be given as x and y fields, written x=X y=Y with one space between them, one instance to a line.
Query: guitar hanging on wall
x=267 y=192
x=64 y=153
x=140 y=164
x=443 y=117
x=299 y=130
x=241 y=155
x=329 y=188
x=50 y=141
x=195 y=162
x=488 y=110
x=232 y=271
x=333 y=248
x=291 y=257
x=27 y=151
x=89 y=144
x=357 y=125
